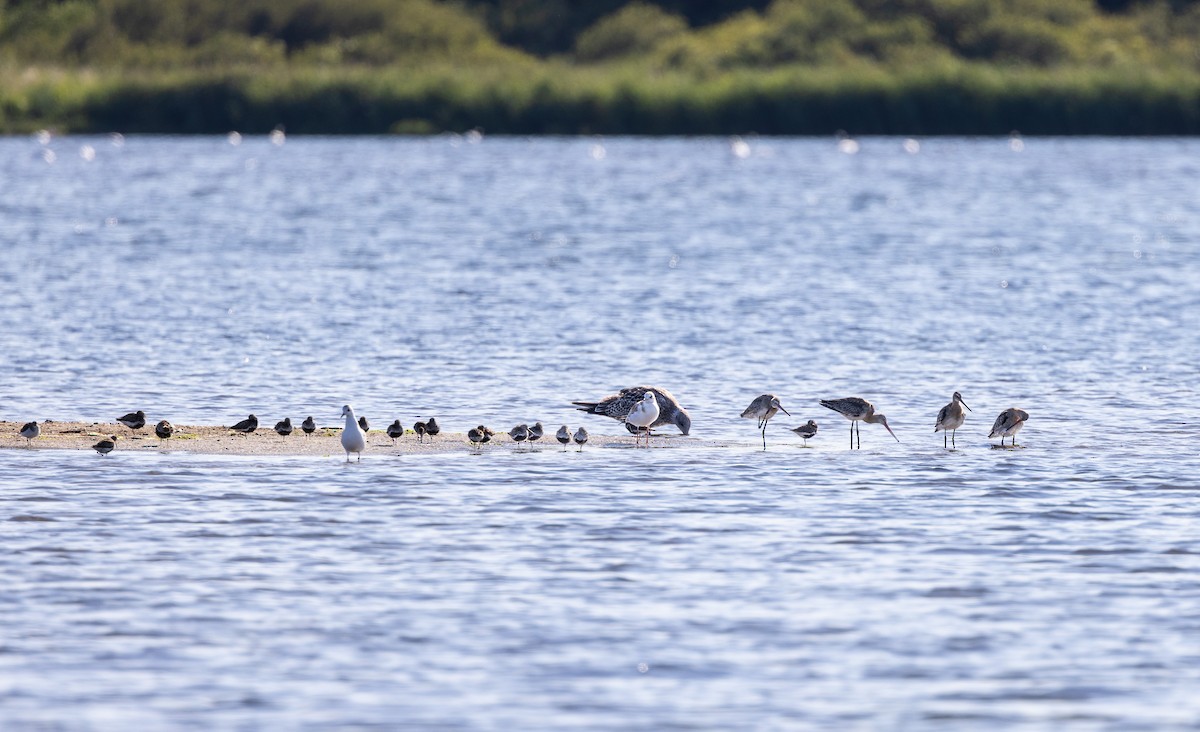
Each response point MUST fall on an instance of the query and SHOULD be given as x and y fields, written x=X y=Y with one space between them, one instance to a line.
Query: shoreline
x=324 y=442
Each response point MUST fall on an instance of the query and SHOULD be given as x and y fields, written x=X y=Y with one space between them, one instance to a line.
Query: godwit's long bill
x=857 y=410
x=951 y=417
x=763 y=408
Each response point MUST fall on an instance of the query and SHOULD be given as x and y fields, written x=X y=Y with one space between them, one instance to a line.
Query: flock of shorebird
x=639 y=408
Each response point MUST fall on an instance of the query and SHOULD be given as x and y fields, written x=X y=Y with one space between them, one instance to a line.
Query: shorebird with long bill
x=951 y=417
x=857 y=410
x=763 y=408
x=1008 y=424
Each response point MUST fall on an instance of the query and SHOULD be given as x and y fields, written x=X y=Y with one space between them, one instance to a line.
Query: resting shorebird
x=134 y=420
x=246 y=426
x=353 y=439
x=164 y=429
x=643 y=414
x=536 y=432
x=951 y=417
x=563 y=436
x=475 y=436
x=308 y=425
x=487 y=433
x=857 y=410
x=30 y=430
x=519 y=433
x=581 y=436
x=1008 y=424
x=364 y=424
x=806 y=431
x=419 y=428
x=284 y=428
x=106 y=446
x=618 y=405
x=432 y=428
x=394 y=430
x=763 y=408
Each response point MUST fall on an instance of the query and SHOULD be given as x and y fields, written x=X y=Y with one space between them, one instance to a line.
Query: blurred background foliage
x=799 y=66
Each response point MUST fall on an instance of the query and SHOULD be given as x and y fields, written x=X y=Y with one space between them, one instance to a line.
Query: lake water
x=902 y=586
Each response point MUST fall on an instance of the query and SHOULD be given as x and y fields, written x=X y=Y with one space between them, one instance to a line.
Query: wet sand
x=216 y=440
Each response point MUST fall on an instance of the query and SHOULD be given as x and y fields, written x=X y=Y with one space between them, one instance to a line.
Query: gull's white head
x=347 y=411
x=648 y=397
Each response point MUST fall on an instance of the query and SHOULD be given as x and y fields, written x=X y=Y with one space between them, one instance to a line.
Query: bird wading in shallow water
x=353 y=437
x=807 y=431
x=617 y=407
x=857 y=410
x=951 y=417
x=106 y=446
x=763 y=408
x=1008 y=424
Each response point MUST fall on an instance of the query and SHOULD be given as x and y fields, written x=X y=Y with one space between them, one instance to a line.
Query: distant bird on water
x=951 y=417
x=519 y=433
x=806 y=431
x=246 y=426
x=563 y=436
x=284 y=428
x=308 y=425
x=394 y=431
x=164 y=429
x=106 y=446
x=353 y=438
x=134 y=420
x=763 y=408
x=29 y=431
x=364 y=424
x=618 y=405
x=1008 y=424
x=643 y=414
x=536 y=432
x=432 y=428
x=419 y=428
x=581 y=436
x=857 y=410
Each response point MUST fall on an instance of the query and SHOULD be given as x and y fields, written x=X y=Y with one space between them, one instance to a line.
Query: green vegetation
x=612 y=67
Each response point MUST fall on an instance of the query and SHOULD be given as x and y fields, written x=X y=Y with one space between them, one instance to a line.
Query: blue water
x=902 y=586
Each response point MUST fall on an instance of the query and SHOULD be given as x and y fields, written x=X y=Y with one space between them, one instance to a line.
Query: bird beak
x=893 y=434
x=960 y=401
x=784 y=410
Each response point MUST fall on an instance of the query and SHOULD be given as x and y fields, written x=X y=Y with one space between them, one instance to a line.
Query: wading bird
x=951 y=417
x=857 y=410
x=581 y=436
x=1008 y=424
x=806 y=431
x=763 y=408
x=618 y=405
x=106 y=446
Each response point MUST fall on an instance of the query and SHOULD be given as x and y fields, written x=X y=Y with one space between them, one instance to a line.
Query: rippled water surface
x=902 y=586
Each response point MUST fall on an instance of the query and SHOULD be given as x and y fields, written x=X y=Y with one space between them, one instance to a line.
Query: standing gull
x=246 y=426
x=643 y=414
x=29 y=431
x=284 y=428
x=951 y=417
x=857 y=410
x=1008 y=424
x=134 y=420
x=106 y=446
x=563 y=436
x=353 y=439
x=763 y=408
x=618 y=405
x=581 y=436
x=394 y=430
x=308 y=425
x=164 y=429
x=806 y=431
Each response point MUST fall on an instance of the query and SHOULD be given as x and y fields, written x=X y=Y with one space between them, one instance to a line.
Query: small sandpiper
x=487 y=433
x=519 y=433
x=246 y=426
x=563 y=436
x=106 y=446
x=419 y=428
x=29 y=431
x=134 y=420
x=394 y=431
x=309 y=426
x=536 y=432
x=806 y=431
x=432 y=428
x=164 y=429
x=364 y=425
x=475 y=436
x=581 y=436
x=284 y=428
